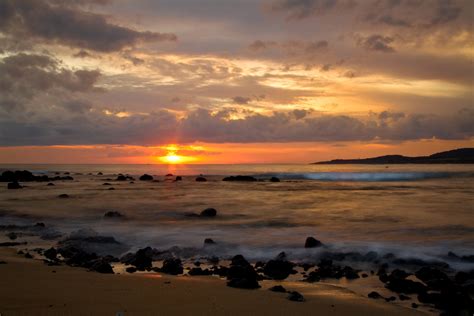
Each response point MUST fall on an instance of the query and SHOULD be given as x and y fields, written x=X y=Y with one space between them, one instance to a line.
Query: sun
x=172 y=158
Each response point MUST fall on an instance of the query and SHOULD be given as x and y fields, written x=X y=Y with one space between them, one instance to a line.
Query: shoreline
x=75 y=291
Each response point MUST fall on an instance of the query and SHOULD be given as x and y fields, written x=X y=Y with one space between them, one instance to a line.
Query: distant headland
x=458 y=156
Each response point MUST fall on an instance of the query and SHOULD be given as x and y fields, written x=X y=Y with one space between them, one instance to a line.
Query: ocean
x=412 y=211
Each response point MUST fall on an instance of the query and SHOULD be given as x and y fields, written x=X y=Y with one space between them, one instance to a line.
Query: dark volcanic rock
x=26 y=176
x=201 y=179
x=312 y=242
x=14 y=185
x=374 y=295
x=63 y=196
x=209 y=241
x=433 y=278
x=51 y=254
x=296 y=297
x=172 y=266
x=12 y=235
x=11 y=244
x=278 y=269
x=199 y=271
x=209 y=212
x=240 y=178
x=241 y=274
x=274 y=179
x=277 y=288
x=178 y=178
x=50 y=184
x=142 y=259
x=101 y=265
x=122 y=177
x=146 y=177
x=405 y=286
x=131 y=269
x=113 y=214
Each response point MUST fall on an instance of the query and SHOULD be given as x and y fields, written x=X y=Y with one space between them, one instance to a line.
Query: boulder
x=241 y=274
x=131 y=269
x=209 y=241
x=274 y=179
x=295 y=297
x=14 y=185
x=146 y=177
x=278 y=269
x=12 y=235
x=374 y=295
x=277 y=288
x=172 y=266
x=178 y=178
x=101 y=265
x=240 y=178
x=142 y=259
x=209 y=212
x=312 y=242
x=51 y=253
x=201 y=179
x=63 y=196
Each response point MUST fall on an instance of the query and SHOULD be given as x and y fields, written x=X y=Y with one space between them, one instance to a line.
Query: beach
x=27 y=287
x=215 y=239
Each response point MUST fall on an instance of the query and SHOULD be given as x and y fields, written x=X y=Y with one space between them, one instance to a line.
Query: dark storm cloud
x=93 y=127
x=377 y=43
x=23 y=76
x=62 y=23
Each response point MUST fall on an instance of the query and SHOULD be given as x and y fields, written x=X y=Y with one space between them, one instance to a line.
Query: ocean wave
x=368 y=176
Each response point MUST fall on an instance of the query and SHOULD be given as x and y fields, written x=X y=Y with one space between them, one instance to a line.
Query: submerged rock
x=312 y=242
x=209 y=212
x=240 y=178
x=146 y=177
x=113 y=214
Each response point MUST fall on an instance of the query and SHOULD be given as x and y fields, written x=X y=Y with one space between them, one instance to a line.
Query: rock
x=209 y=241
x=172 y=266
x=50 y=184
x=278 y=269
x=277 y=288
x=374 y=295
x=142 y=259
x=201 y=179
x=390 y=299
x=63 y=196
x=106 y=183
x=209 y=212
x=100 y=173
x=402 y=297
x=131 y=269
x=51 y=254
x=14 y=186
x=111 y=189
x=312 y=242
x=274 y=179
x=296 y=297
x=122 y=177
x=28 y=255
x=11 y=244
x=12 y=235
x=240 y=178
x=146 y=177
x=405 y=286
x=241 y=274
x=364 y=275
x=39 y=225
x=100 y=265
x=433 y=278
x=178 y=178
x=169 y=175
x=199 y=271
x=113 y=214
x=350 y=273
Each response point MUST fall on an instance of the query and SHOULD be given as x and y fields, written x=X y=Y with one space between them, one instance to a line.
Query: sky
x=233 y=81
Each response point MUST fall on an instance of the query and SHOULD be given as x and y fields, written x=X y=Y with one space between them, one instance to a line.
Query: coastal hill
x=461 y=155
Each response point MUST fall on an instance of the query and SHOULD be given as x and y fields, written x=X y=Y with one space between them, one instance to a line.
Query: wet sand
x=28 y=287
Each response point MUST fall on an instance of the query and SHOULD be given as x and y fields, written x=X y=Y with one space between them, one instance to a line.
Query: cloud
x=376 y=42
x=62 y=23
x=90 y=126
x=241 y=100
x=301 y=9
